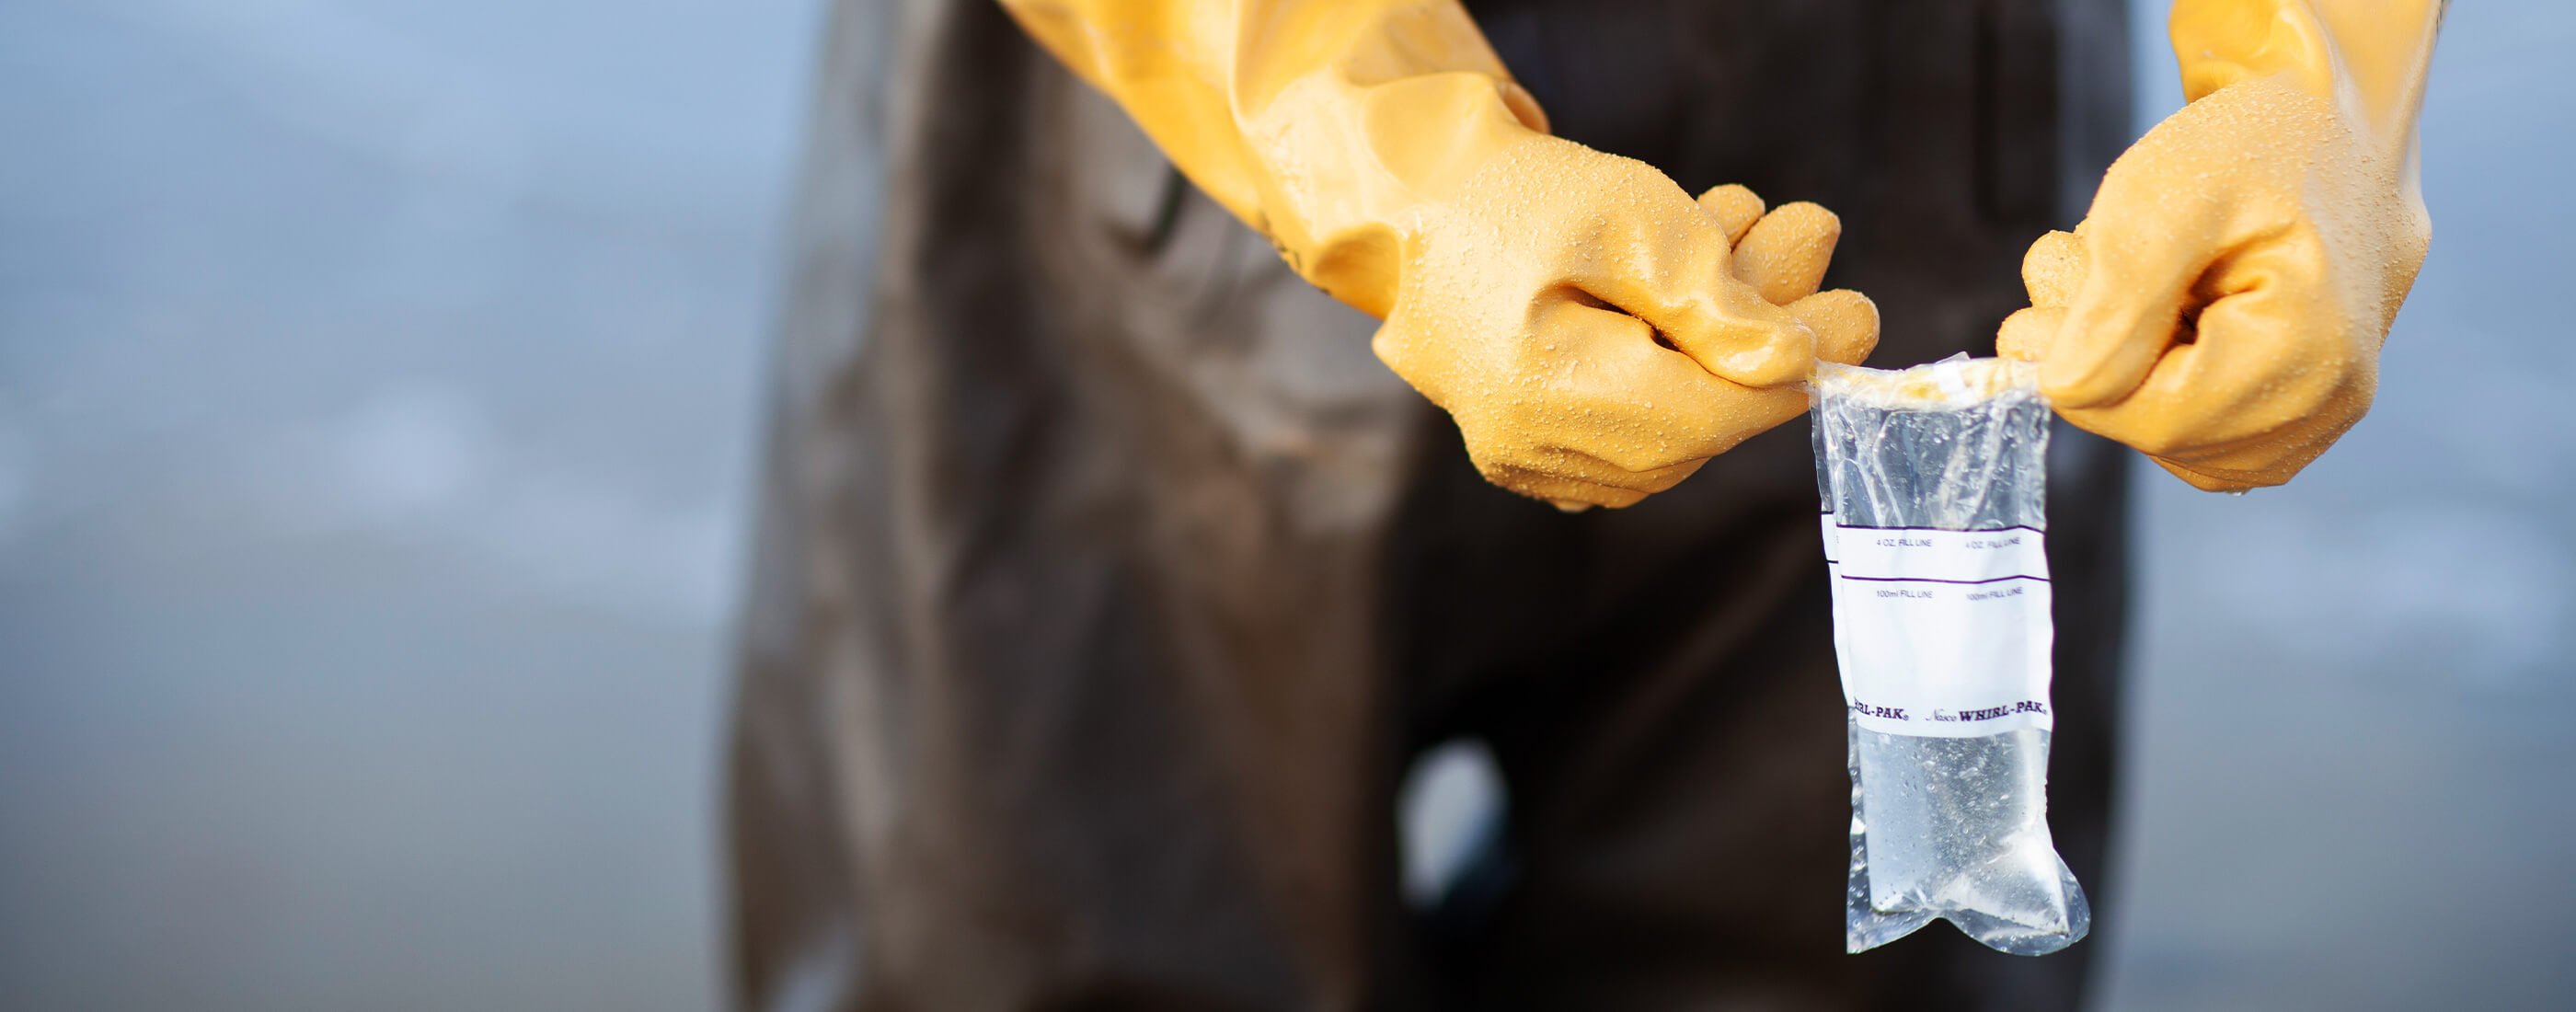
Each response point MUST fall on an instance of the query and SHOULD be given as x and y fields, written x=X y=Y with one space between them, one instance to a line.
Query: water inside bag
x=1934 y=488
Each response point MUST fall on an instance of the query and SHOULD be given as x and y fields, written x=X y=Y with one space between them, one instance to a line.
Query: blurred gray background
x=379 y=386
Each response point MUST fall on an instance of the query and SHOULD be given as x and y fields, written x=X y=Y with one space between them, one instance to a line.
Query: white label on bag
x=1942 y=633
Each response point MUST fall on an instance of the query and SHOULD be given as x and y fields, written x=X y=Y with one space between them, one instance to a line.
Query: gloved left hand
x=2222 y=306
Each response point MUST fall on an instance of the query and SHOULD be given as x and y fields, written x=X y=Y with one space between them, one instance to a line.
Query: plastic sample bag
x=1935 y=535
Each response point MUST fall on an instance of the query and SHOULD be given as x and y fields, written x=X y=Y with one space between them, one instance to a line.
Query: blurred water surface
x=378 y=389
x=2349 y=786
x=376 y=392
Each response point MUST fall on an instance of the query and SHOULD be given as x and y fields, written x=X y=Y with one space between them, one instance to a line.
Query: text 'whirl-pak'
x=1934 y=483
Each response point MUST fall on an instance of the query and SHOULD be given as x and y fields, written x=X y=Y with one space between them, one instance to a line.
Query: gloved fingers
x=1566 y=473
x=2125 y=314
x=1735 y=208
x=1722 y=325
x=2158 y=225
x=2028 y=332
x=1845 y=323
x=1784 y=255
x=1662 y=413
x=1566 y=494
x=1599 y=414
x=1764 y=351
x=2207 y=482
x=2191 y=440
x=1571 y=465
x=2258 y=392
x=2278 y=348
x=1557 y=475
x=1656 y=414
x=1667 y=265
x=2053 y=269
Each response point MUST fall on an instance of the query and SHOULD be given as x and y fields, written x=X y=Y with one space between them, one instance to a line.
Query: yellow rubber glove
x=1591 y=328
x=2222 y=306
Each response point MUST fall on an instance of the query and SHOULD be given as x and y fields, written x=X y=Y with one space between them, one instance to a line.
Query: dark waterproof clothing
x=1107 y=584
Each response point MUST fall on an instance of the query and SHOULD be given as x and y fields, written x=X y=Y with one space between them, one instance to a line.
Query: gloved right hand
x=1596 y=334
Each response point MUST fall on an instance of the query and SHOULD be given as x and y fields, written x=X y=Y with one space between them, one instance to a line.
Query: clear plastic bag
x=1934 y=484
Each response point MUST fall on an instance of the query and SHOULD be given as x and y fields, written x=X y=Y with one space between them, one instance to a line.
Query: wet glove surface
x=2222 y=306
x=1595 y=332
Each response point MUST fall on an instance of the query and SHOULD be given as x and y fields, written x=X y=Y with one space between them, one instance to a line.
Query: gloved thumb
x=2136 y=283
x=1721 y=323
x=1760 y=345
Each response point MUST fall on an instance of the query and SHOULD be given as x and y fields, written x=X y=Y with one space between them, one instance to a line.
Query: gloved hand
x=2222 y=306
x=1594 y=332
x=1590 y=330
